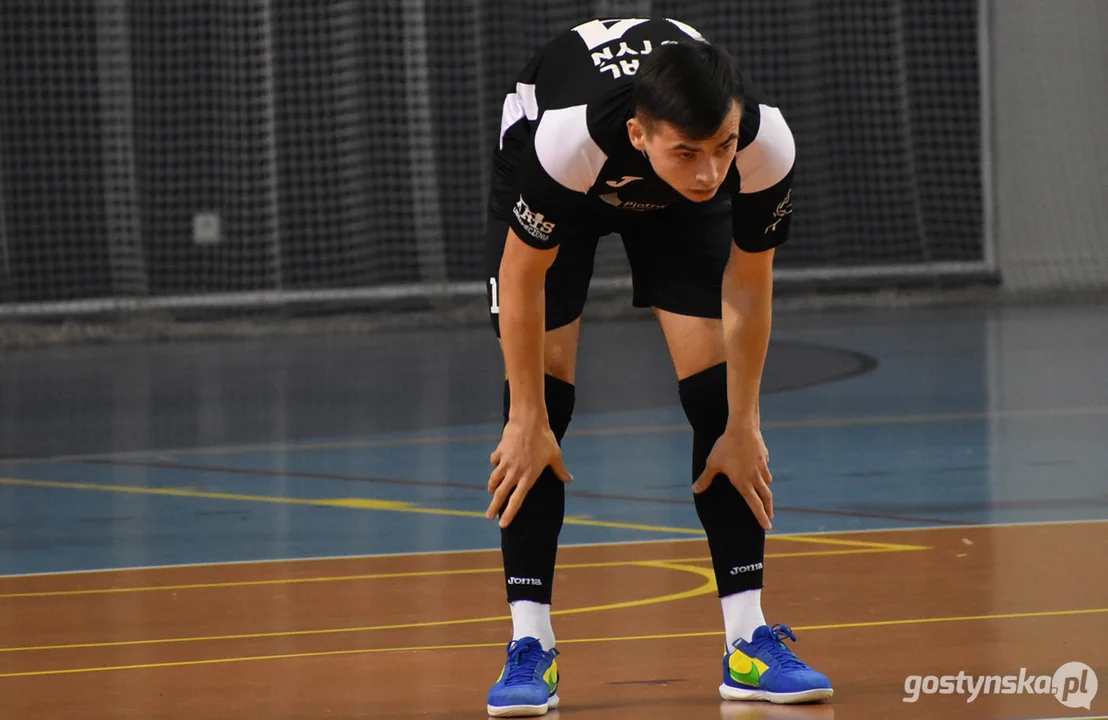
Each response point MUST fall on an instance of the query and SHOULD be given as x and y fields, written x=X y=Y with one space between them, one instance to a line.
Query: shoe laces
x=774 y=646
x=524 y=657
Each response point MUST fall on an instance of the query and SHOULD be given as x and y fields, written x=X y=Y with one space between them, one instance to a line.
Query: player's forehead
x=728 y=129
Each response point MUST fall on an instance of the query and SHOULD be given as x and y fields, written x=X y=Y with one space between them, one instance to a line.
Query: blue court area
x=874 y=419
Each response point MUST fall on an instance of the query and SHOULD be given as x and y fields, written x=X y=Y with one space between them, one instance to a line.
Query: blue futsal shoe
x=765 y=669
x=528 y=685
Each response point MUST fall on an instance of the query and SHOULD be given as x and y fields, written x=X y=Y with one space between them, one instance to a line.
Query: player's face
x=694 y=168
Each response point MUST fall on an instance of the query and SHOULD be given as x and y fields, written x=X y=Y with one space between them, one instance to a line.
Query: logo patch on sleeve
x=783 y=208
x=534 y=224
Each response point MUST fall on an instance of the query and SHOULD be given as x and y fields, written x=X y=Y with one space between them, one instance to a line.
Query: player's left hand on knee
x=741 y=455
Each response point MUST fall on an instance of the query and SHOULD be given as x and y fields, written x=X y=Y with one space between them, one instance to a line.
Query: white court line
x=1071 y=717
x=614 y=543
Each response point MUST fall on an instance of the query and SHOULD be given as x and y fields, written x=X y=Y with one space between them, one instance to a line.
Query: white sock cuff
x=742 y=615
x=532 y=619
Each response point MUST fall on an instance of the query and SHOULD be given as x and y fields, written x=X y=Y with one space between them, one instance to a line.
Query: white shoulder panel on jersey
x=595 y=33
x=518 y=105
x=766 y=161
x=687 y=29
x=566 y=150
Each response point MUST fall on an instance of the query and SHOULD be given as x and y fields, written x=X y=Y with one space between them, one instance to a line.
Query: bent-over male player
x=643 y=128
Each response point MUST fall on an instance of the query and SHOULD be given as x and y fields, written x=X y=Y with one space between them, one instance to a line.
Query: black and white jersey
x=564 y=148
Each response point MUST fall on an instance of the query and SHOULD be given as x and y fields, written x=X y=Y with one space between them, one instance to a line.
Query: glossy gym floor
x=292 y=528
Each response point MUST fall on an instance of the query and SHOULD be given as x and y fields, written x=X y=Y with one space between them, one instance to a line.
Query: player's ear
x=636 y=132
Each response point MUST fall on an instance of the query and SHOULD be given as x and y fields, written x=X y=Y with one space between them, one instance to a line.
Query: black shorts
x=677 y=258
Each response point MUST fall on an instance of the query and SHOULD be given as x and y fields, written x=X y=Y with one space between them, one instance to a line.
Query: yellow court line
x=848 y=626
x=614 y=543
x=818 y=553
x=961 y=618
x=820 y=540
x=218 y=661
x=709 y=586
x=406 y=507
x=262 y=583
x=571 y=641
x=349 y=503
x=413 y=574
x=633 y=526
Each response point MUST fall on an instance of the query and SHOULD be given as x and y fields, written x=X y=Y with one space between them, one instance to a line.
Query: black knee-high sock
x=530 y=543
x=736 y=540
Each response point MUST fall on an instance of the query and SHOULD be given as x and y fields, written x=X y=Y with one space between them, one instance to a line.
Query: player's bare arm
x=740 y=453
x=527 y=445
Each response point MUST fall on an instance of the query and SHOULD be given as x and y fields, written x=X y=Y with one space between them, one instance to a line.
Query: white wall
x=1049 y=73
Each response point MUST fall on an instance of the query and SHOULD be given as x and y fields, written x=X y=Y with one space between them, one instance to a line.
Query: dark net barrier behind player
x=250 y=155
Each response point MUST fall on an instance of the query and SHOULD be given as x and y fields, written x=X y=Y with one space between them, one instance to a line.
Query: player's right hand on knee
x=525 y=450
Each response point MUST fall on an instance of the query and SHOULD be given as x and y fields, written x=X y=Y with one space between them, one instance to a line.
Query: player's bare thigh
x=560 y=351
x=695 y=343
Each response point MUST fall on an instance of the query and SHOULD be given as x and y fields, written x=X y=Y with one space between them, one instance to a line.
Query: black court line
x=258 y=472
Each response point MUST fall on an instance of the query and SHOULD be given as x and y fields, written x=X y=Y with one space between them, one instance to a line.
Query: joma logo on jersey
x=746 y=568
x=524 y=581
x=536 y=225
